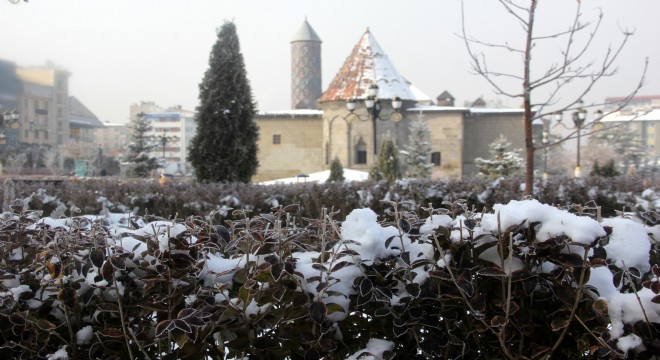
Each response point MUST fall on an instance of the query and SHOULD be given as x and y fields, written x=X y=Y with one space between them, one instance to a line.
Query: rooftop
x=366 y=65
x=305 y=33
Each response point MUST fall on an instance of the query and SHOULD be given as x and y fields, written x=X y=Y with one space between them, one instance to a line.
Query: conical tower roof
x=368 y=64
x=305 y=33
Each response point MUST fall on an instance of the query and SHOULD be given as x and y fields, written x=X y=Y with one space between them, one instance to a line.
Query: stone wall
x=300 y=149
x=482 y=128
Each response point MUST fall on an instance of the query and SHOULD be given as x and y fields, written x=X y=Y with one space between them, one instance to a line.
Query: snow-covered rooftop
x=473 y=110
x=293 y=112
x=651 y=115
x=368 y=64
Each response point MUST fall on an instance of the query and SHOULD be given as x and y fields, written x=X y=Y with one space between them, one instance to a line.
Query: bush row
x=528 y=281
x=185 y=198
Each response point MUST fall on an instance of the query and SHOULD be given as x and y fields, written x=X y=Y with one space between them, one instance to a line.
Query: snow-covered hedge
x=527 y=280
x=216 y=201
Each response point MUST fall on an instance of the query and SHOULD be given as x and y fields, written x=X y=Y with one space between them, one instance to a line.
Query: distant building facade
x=173 y=130
x=50 y=120
x=44 y=106
x=296 y=142
x=112 y=138
x=641 y=117
x=82 y=125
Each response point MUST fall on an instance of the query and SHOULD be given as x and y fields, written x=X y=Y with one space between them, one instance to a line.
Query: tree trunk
x=527 y=101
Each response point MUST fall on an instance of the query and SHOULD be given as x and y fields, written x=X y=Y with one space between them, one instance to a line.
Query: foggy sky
x=124 y=51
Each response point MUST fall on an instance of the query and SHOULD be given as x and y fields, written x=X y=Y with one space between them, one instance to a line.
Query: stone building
x=112 y=138
x=82 y=124
x=641 y=118
x=303 y=141
x=44 y=106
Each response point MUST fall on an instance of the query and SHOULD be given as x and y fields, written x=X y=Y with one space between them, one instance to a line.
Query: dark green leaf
x=97 y=257
x=365 y=286
x=317 y=311
x=388 y=241
x=404 y=225
x=276 y=270
x=634 y=272
x=617 y=278
x=569 y=260
x=340 y=265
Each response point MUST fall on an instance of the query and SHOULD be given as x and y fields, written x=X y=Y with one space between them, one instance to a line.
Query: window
x=361 y=152
x=435 y=158
x=277 y=139
x=361 y=157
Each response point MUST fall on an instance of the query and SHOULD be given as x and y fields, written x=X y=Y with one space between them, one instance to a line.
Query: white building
x=173 y=130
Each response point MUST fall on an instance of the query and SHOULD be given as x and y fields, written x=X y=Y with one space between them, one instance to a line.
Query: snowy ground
x=320 y=177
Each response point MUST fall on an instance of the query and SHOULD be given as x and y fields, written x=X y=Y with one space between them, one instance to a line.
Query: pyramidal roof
x=366 y=65
x=305 y=33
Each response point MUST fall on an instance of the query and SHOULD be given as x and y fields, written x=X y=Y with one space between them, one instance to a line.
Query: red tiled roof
x=367 y=64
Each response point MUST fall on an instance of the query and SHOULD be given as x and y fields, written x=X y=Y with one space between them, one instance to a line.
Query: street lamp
x=578 y=116
x=374 y=106
x=163 y=140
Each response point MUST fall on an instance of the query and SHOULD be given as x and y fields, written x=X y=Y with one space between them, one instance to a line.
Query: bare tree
x=542 y=90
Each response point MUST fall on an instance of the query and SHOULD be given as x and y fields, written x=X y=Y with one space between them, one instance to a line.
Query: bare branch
x=509 y=6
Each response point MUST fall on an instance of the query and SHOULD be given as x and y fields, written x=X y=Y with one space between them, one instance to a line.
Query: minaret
x=305 y=68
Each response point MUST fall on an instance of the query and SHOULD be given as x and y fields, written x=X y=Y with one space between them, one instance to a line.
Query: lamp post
x=374 y=107
x=164 y=139
x=579 y=115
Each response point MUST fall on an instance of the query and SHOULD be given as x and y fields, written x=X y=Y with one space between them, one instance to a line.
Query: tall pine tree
x=418 y=151
x=225 y=146
x=140 y=162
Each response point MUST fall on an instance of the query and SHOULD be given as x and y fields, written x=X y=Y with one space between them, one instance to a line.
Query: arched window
x=360 y=152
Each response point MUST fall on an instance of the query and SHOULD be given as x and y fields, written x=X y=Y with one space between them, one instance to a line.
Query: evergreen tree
x=502 y=163
x=336 y=171
x=418 y=152
x=140 y=163
x=374 y=173
x=225 y=146
x=388 y=161
x=595 y=169
x=607 y=170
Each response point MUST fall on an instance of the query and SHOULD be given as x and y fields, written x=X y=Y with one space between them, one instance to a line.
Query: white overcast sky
x=126 y=51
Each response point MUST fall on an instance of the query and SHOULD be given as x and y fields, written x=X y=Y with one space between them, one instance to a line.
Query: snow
x=60 y=354
x=629 y=342
x=292 y=112
x=629 y=244
x=554 y=221
x=320 y=177
x=375 y=347
x=84 y=336
x=15 y=292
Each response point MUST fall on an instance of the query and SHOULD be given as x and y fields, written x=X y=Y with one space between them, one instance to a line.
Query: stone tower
x=305 y=68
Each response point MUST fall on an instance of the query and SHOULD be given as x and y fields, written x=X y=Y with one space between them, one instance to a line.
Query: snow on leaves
x=445 y=285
